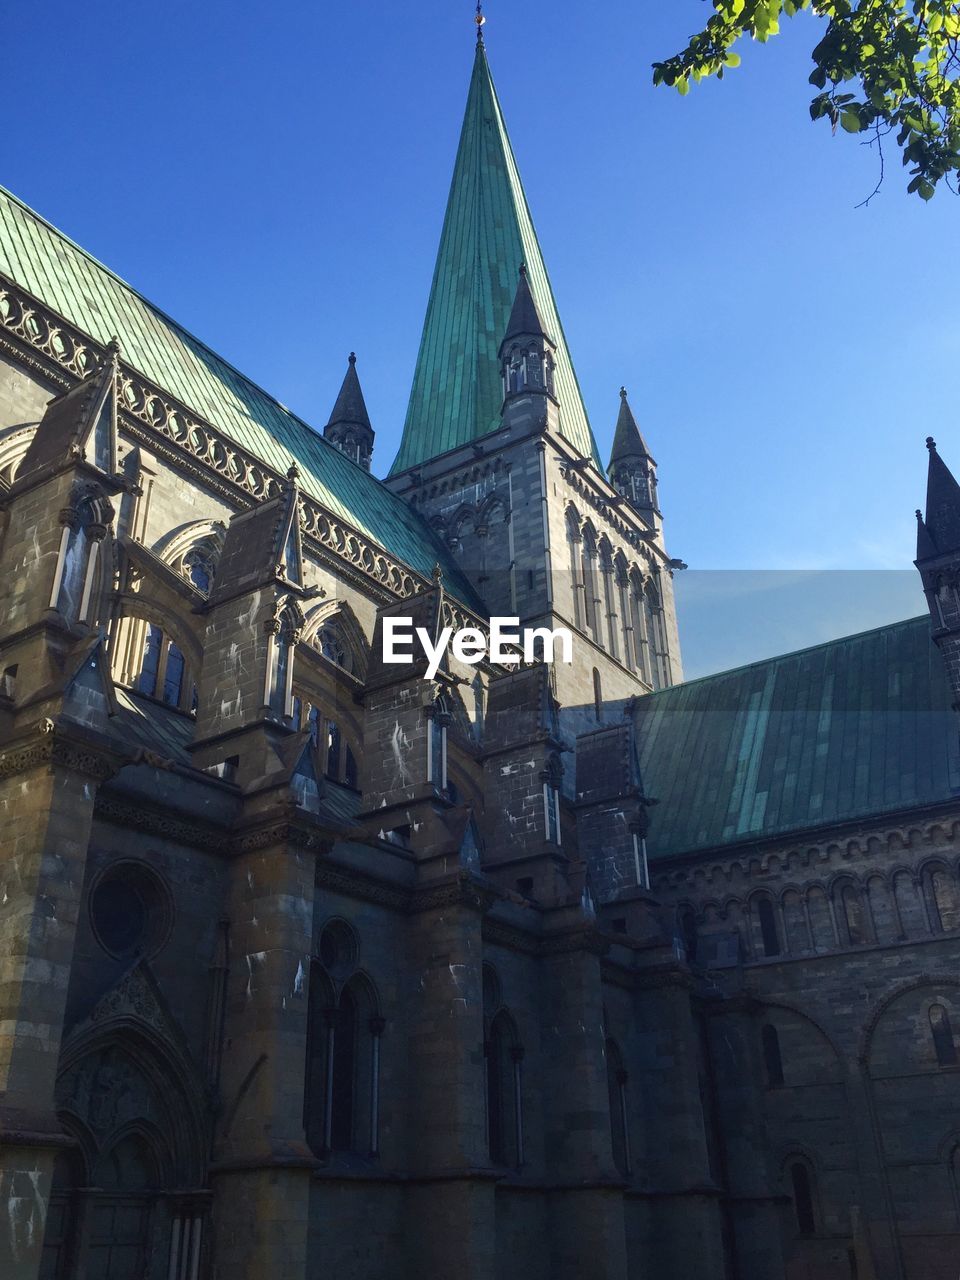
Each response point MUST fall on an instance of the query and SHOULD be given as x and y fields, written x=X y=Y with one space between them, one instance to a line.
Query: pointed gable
x=262 y=545
x=487 y=233
x=80 y=423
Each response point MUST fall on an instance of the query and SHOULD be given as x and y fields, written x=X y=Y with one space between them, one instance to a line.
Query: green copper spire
x=487 y=234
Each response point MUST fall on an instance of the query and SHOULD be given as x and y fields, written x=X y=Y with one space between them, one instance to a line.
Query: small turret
x=632 y=469
x=527 y=351
x=349 y=428
x=938 y=560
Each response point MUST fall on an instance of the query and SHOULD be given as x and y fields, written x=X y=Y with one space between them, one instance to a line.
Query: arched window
x=343 y=1071
x=802 y=1187
x=128 y=1166
x=769 y=934
x=515 y=374
x=591 y=586
x=157 y=666
x=688 y=933
x=641 y=648
x=146 y=681
x=574 y=544
x=198 y=566
x=504 y=1109
x=478 y=706
x=772 y=1059
x=853 y=916
x=173 y=676
x=551 y=799
x=438 y=717
x=942 y=1032
x=342 y=1081
x=941 y=893
x=609 y=598
x=597 y=695
x=626 y=621
x=76 y=573
x=337 y=759
x=617 y=1099
x=280 y=666
x=314 y=723
x=653 y=618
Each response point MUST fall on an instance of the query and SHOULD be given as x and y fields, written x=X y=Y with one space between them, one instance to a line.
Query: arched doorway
x=134 y=1112
x=128 y=1180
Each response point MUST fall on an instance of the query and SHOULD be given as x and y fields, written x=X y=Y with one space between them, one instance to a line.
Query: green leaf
x=850 y=121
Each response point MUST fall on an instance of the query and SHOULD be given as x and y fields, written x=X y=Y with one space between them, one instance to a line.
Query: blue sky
x=274 y=176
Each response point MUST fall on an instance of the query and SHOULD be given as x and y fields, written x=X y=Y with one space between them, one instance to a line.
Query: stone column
x=262 y=1165
x=684 y=1223
x=47 y=788
x=732 y=1040
x=587 y=1230
x=450 y=1200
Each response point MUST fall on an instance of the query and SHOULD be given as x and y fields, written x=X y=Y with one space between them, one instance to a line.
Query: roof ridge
x=170 y=358
x=791 y=653
x=174 y=324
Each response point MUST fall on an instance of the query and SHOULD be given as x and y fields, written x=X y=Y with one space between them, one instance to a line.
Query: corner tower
x=498 y=456
x=938 y=560
x=349 y=428
x=632 y=470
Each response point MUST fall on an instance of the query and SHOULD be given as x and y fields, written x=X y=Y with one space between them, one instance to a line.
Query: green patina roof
x=44 y=262
x=847 y=730
x=487 y=234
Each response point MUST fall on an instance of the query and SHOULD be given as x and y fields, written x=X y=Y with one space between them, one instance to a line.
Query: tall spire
x=487 y=233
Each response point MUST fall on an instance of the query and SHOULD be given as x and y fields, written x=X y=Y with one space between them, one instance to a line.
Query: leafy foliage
x=900 y=57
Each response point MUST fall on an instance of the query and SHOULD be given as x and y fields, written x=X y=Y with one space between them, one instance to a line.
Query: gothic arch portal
x=134 y=1108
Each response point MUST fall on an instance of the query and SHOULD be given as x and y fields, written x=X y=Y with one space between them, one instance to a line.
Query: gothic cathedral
x=316 y=965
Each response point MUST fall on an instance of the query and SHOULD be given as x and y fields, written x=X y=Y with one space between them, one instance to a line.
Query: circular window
x=130 y=910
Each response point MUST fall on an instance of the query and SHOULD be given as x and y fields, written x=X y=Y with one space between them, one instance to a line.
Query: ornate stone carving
x=132 y=998
x=49 y=747
x=158 y=822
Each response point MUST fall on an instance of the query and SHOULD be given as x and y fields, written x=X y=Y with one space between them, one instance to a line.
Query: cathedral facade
x=315 y=964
